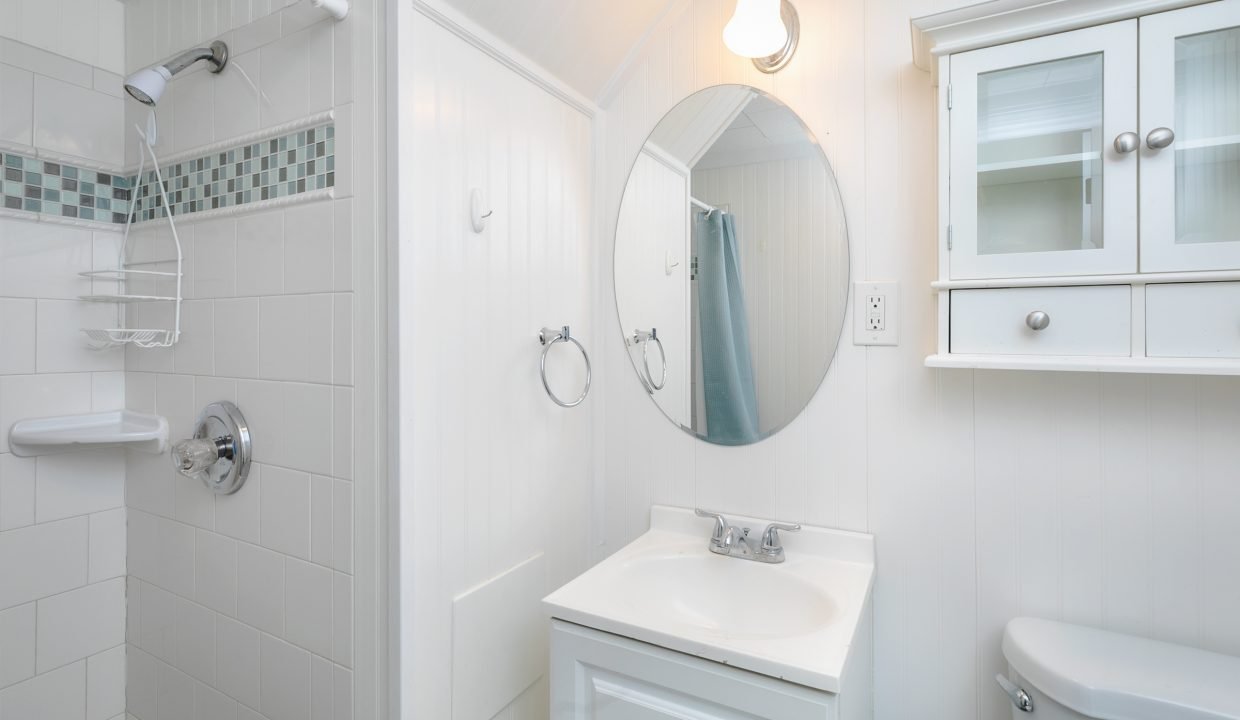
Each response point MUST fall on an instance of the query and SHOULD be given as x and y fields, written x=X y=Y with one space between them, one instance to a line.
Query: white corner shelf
x=117 y=428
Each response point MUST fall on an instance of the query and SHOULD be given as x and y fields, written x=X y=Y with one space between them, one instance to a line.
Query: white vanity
x=1089 y=170
x=666 y=628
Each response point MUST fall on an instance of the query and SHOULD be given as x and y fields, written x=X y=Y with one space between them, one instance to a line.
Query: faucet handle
x=721 y=524
x=770 y=536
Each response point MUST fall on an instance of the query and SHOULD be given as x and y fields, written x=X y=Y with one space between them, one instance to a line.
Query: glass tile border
x=278 y=167
x=58 y=189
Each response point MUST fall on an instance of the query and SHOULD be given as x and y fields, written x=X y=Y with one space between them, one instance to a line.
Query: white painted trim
x=505 y=54
x=1002 y=21
x=662 y=156
x=56 y=157
x=274 y=131
x=28 y=216
x=1137 y=279
x=1160 y=366
x=256 y=206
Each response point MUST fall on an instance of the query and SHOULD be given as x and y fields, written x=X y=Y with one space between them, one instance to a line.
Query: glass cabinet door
x=1037 y=185
x=1190 y=139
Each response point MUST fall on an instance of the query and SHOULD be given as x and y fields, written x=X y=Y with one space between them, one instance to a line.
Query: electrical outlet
x=874 y=313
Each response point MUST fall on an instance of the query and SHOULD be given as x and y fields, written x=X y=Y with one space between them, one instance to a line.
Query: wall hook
x=477 y=215
x=668 y=264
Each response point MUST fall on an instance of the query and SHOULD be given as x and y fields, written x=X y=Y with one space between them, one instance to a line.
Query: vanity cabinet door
x=1190 y=131
x=599 y=676
x=1037 y=185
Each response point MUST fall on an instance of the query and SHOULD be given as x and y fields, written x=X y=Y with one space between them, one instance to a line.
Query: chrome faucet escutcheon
x=733 y=541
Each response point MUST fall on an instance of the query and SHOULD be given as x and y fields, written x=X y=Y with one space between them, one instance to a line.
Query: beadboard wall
x=495 y=486
x=1101 y=499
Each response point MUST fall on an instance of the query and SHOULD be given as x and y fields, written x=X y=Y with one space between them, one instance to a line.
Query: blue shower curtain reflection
x=731 y=404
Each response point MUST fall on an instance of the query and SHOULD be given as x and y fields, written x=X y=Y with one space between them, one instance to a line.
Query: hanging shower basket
x=125 y=276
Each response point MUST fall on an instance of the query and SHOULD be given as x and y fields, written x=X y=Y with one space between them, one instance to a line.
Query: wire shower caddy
x=125 y=274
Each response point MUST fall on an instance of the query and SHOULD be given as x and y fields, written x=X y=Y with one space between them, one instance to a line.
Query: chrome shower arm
x=216 y=54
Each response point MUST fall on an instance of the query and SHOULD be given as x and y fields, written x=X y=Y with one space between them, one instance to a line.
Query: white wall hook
x=668 y=264
x=477 y=215
x=336 y=8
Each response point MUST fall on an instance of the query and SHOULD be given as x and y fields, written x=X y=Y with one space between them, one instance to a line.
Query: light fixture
x=148 y=85
x=766 y=31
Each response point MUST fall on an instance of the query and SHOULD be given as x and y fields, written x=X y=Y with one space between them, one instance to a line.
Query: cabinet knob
x=1159 y=138
x=1038 y=320
x=1127 y=142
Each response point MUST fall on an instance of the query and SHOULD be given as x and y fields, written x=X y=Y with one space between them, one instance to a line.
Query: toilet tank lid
x=1111 y=676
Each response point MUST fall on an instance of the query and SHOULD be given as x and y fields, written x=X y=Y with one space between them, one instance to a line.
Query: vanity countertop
x=795 y=620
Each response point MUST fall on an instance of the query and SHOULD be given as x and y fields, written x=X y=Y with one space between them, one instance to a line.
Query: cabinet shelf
x=1051 y=167
x=1210 y=142
x=118 y=428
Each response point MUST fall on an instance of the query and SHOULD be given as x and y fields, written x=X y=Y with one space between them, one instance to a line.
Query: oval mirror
x=731 y=265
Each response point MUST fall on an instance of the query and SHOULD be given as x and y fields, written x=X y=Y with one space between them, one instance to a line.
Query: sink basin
x=712 y=593
x=795 y=620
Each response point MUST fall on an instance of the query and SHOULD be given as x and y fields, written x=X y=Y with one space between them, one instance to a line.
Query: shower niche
x=731 y=265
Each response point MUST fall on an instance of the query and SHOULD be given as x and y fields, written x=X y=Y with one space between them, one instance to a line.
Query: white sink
x=795 y=620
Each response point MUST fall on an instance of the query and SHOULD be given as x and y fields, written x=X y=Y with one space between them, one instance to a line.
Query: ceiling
x=582 y=42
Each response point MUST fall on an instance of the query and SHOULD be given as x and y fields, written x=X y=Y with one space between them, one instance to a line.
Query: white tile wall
x=52 y=104
x=62 y=518
x=1101 y=499
x=234 y=599
x=88 y=31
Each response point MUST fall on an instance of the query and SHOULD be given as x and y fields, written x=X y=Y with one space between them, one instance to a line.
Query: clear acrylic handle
x=193 y=457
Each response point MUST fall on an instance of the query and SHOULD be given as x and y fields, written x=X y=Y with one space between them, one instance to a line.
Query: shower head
x=148 y=85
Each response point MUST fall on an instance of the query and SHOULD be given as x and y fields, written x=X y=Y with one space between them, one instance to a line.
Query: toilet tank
x=1072 y=672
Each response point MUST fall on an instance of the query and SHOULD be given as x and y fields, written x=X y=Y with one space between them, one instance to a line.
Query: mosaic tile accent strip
x=280 y=167
x=51 y=188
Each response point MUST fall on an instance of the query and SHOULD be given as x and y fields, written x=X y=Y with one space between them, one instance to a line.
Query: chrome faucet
x=733 y=541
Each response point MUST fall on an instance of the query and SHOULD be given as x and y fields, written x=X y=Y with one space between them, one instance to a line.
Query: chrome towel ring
x=548 y=337
x=643 y=338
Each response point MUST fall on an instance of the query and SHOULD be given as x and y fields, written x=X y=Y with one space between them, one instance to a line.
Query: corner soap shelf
x=117 y=428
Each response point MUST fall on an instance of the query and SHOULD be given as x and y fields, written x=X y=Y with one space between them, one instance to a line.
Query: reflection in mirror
x=731 y=265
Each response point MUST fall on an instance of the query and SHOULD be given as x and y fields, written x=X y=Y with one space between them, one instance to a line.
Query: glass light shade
x=756 y=29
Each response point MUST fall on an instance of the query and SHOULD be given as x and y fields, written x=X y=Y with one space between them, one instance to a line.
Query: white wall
x=62 y=518
x=88 y=31
x=158 y=29
x=494 y=478
x=65 y=110
x=243 y=605
x=1103 y=499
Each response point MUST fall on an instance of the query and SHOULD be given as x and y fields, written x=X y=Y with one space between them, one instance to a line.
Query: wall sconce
x=765 y=30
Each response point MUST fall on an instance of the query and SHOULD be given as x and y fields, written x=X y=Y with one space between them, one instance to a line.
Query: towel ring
x=549 y=337
x=643 y=338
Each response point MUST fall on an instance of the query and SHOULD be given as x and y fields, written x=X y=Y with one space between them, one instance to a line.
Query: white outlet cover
x=890 y=335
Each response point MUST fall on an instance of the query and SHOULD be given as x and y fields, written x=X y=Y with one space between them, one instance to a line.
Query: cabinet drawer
x=1193 y=320
x=1090 y=320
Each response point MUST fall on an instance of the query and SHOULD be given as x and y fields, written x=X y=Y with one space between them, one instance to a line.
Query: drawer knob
x=1038 y=320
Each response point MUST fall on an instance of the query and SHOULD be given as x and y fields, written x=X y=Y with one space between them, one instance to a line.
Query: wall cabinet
x=1089 y=177
x=600 y=676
